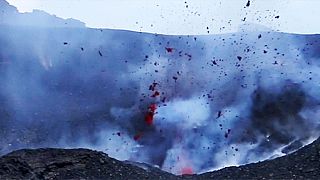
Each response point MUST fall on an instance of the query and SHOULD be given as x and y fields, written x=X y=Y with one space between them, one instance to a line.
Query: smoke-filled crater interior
x=186 y=104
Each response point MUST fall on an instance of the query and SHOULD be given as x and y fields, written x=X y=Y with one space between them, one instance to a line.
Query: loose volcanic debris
x=71 y=164
x=175 y=78
x=169 y=50
x=219 y=114
x=214 y=62
x=100 y=53
x=227 y=133
x=153 y=86
x=248 y=3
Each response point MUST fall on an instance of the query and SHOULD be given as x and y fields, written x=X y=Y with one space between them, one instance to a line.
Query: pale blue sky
x=173 y=17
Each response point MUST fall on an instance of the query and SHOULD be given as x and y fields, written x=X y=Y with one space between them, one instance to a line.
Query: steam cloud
x=187 y=104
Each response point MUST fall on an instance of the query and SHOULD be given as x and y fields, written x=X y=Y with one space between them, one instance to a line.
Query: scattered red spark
x=137 y=136
x=155 y=94
x=153 y=107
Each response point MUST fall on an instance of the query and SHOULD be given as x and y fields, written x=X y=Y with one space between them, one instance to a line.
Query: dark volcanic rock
x=70 y=164
x=302 y=164
x=87 y=164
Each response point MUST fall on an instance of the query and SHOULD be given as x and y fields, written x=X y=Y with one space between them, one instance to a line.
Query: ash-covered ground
x=88 y=164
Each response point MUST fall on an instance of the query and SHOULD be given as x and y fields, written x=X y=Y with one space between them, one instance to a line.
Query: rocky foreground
x=88 y=164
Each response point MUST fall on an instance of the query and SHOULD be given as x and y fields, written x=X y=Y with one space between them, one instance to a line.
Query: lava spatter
x=155 y=94
x=150 y=114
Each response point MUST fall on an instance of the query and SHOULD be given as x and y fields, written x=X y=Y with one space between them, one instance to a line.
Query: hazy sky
x=184 y=16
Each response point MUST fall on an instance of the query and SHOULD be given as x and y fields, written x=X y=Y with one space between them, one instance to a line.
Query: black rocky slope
x=302 y=164
x=70 y=164
x=87 y=164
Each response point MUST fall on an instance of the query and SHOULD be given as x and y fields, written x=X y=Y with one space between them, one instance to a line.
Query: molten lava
x=150 y=114
x=186 y=171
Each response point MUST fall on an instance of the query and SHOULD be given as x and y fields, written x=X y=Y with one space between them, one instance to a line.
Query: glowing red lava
x=186 y=171
x=153 y=107
x=150 y=114
x=149 y=118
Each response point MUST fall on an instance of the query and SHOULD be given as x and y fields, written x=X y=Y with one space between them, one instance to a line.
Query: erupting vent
x=186 y=104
